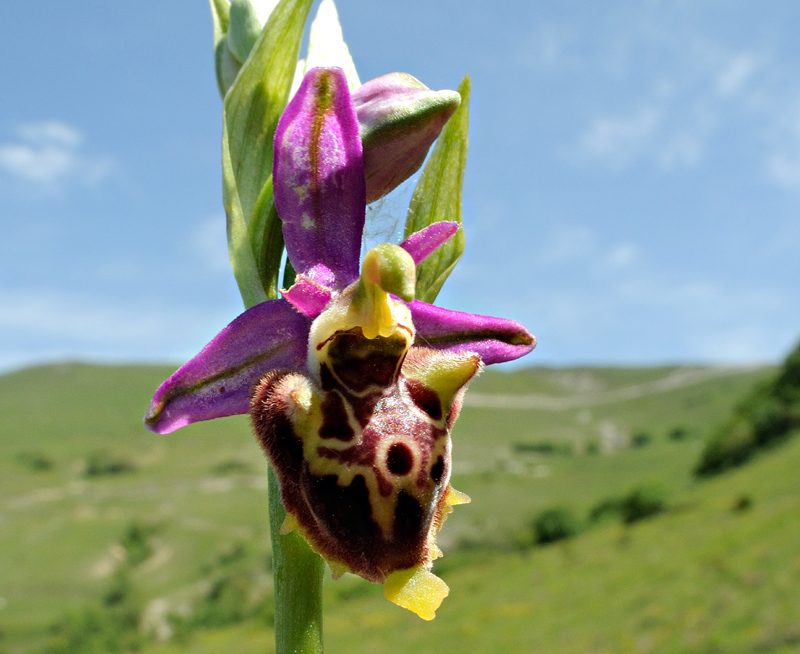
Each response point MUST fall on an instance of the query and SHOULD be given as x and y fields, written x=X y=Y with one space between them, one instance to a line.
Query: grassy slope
x=697 y=576
x=701 y=579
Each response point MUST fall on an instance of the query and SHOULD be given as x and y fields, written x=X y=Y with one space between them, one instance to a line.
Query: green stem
x=298 y=584
x=297 y=574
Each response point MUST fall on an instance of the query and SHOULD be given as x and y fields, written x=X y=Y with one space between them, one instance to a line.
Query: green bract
x=251 y=111
x=437 y=197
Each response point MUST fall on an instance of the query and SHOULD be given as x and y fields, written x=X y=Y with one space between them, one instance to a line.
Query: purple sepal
x=219 y=380
x=322 y=275
x=495 y=339
x=319 y=176
x=308 y=296
x=422 y=243
x=400 y=118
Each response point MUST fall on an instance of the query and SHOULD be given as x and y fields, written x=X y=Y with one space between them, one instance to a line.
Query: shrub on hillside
x=35 y=461
x=136 y=541
x=678 y=433
x=610 y=507
x=227 y=602
x=543 y=447
x=554 y=524
x=94 y=630
x=641 y=438
x=102 y=463
x=787 y=385
x=766 y=417
x=110 y=626
x=729 y=446
x=643 y=501
x=231 y=466
x=771 y=421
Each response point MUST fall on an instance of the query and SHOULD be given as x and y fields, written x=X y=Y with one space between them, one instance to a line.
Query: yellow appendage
x=454 y=497
x=417 y=590
x=289 y=524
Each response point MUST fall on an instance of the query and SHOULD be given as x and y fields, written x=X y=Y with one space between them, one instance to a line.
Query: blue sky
x=632 y=192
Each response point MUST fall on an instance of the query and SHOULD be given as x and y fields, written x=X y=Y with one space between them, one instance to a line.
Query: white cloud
x=548 y=48
x=661 y=84
x=50 y=132
x=209 y=242
x=736 y=72
x=39 y=324
x=49 y=155
x=716 y=321
x=617 y=140
x=565 y=245
x=631 y=318
x=681 y=151
x=622 y=256
x=748 y=342
x=784 y=169
x=577 y=246
x=783 y=163
x=49 y=314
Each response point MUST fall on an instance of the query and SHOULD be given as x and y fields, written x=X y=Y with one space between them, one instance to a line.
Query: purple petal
x=422 y=243
x=400 y=118
x=494 y=339
x=219 y=380
x=319 y=176
x=308 y=296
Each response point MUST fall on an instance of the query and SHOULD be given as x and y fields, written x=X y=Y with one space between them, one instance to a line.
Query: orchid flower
x=352 y=385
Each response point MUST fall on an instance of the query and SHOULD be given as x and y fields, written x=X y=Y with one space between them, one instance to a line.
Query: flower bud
x=399 y=118
x=226 y=64
x=247 y=18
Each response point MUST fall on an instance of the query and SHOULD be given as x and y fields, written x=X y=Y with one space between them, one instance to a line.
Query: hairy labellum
x=362 y=447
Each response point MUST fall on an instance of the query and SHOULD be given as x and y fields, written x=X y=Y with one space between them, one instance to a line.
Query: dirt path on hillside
x=678 y=379
x=93 y=493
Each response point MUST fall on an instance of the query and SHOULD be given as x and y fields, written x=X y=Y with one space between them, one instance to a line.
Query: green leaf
x=258 y=97
x=240 y=252
x=251 y=111
x=225 y=66
x=437 y=197
x=266 y=238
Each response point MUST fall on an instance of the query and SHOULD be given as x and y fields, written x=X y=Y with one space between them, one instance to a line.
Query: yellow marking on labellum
x=417 y=590
x=446 y=373
x=308 y=422
x=349 y=313
x=308 y=419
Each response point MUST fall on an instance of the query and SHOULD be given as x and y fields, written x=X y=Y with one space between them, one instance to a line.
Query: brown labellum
x=363 y=454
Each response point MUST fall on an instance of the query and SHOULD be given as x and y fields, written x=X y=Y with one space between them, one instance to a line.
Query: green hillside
x=98 y=513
